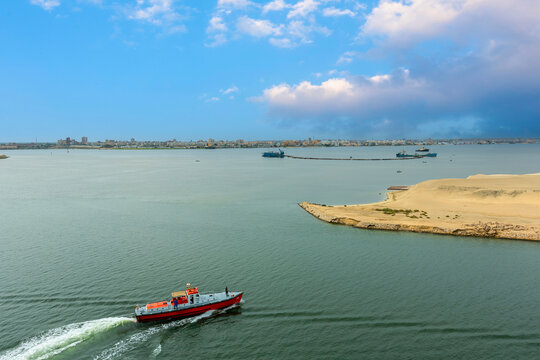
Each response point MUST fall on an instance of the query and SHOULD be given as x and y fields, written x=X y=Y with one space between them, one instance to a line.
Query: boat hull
x=273 y=155
x=192 y=311
x=400 y=155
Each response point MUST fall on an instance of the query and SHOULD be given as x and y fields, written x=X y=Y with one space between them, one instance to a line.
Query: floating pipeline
x=354 y=159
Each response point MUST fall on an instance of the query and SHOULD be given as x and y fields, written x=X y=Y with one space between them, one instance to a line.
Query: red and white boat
x=186 y=303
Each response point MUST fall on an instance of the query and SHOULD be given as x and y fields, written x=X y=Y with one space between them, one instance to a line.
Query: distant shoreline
x=260 y=145
x=493 y=206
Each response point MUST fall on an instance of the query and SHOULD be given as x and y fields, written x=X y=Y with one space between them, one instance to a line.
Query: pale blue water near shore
x=86 y=235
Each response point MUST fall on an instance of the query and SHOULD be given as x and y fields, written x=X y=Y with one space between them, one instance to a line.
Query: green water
x=86 y=235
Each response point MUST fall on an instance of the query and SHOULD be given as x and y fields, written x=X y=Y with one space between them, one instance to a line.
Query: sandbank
x=497 y=206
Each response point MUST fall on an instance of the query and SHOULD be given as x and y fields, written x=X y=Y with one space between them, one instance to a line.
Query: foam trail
x=53 y=342
x=156 y=351
x=132 y=341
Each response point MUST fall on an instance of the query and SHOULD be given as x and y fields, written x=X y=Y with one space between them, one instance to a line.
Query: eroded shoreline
x=494 y=206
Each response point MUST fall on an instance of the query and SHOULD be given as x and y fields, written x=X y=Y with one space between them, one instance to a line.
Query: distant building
x=84 y=140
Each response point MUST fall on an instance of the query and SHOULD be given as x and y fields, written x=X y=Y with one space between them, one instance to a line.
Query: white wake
x=55 y=341
x=132 y=341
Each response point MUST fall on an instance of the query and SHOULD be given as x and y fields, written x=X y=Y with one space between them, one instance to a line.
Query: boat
x=274 y=154
x=186 y=303
x=422 y=149
x=403 y=154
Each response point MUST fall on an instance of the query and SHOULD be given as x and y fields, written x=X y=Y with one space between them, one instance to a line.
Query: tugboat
x=186 y=303
x=274 y=154
x=422 y=149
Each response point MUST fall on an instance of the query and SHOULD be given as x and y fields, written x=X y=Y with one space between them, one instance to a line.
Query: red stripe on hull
x=191 y=311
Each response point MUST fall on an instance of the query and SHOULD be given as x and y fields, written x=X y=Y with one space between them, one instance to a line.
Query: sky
x=269 y=69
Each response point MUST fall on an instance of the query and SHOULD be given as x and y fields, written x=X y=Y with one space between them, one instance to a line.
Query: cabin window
x=191 y=299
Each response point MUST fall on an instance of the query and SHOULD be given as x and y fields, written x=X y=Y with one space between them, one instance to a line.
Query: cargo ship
x=403 y=154
x=186 y=303
x=274 y=154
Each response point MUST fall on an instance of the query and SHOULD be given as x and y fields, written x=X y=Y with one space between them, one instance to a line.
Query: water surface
x=86 y=235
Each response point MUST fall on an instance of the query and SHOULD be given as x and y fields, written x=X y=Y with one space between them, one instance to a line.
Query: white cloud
x=358 y=5
x=412 y=18
x=282 y=43
x=46 y=4
x=331 y=11
x=236 y=4
x=232 y=89
x=402 y=23
x=93 y=2
x=275 y=5
x=377 y=79
x=303 y=8
x=299 y=29
x=297 y=32
x=216 y=24
x=334 y=72
x=152 y=10
x=302 y=31
x=333 y=92
x=217 y=30
x=258 y=28
x=217 y=40
x=157 y=12
x=347 y=57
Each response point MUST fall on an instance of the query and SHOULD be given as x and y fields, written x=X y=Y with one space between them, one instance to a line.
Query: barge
x=274 y=154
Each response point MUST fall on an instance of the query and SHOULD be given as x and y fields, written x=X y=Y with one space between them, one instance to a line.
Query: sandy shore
x=498 y=206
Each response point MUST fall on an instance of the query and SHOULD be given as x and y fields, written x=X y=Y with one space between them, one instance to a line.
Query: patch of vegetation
x=413 y=214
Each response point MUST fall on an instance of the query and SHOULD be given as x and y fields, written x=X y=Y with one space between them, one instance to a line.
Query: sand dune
x=501 y=206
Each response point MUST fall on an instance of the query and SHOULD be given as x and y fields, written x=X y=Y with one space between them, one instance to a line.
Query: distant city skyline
x=83 y=143
x=272 y=69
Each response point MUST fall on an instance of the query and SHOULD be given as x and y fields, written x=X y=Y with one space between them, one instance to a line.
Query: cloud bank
x=485 y=80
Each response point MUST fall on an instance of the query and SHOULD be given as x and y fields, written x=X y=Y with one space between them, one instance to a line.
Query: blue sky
x=273 y=69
